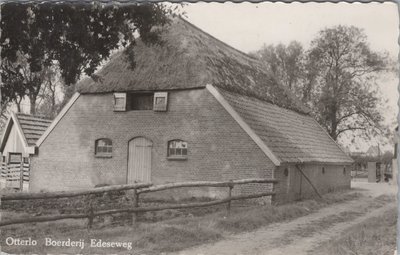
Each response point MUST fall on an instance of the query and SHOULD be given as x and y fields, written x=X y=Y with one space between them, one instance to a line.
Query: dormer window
x=140 y=101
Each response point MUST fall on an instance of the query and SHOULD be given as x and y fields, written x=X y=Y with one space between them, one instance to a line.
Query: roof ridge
x=218 y=40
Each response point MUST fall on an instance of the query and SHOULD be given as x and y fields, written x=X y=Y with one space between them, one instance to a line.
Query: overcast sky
x=248 y=26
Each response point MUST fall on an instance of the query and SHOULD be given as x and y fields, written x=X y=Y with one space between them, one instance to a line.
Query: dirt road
x=304 y=234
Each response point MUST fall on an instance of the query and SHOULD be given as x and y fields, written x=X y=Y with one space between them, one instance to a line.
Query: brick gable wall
x=218 y=148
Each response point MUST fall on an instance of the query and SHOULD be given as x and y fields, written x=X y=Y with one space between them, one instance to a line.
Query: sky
x=247 y=27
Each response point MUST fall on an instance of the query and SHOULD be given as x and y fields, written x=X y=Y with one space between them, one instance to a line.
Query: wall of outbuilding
x=14 y=143
x=218 y=148
x=294 y=186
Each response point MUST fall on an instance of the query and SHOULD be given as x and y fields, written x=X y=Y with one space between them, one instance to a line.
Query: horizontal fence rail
x=62 y=194
x=135 y=209
x=204 y=184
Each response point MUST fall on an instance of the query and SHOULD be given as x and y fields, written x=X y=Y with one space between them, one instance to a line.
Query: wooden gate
x=139 y=160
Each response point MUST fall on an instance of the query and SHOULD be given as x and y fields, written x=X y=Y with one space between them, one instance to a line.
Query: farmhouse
x=193 y=109
x=17 y=146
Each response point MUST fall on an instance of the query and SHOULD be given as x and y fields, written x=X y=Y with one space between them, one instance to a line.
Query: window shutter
x=119 y=102
x=160 y=101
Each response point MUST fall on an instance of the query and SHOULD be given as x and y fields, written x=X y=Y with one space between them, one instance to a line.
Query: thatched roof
x=190 y=58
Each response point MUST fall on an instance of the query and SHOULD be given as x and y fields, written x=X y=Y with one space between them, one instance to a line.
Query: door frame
x=127 y=155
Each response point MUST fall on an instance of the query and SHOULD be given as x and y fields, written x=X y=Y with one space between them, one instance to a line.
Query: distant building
x=395 y=164
x=374 y=151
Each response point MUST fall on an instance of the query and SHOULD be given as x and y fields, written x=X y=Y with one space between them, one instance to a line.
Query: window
x=160 y=101
x=286 y=172
x=3 y=159
x=323 y=170
x=15 y=158
x=26 y=160
x=177 y=149
x=103 y=147
x=119 y=102
x=140 y=101
x=344 y=170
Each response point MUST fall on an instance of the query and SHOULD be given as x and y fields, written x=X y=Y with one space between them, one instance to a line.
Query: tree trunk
x=32 y=99
x=334 y=123
x=53 y=101
x=18 y=103
x=307 y=92
x=18 y=106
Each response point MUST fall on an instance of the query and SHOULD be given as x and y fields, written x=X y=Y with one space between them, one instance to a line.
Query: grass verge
x=376 y=235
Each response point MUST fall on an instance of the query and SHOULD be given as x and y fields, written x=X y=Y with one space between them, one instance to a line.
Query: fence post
x=90 y=211
x=21 y=175
x=135 y=205
x=228 y=207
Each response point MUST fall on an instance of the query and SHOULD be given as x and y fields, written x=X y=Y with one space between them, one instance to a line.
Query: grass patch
x=376 y=235
x=179 y=231
x=247 y=219
x=166 y=238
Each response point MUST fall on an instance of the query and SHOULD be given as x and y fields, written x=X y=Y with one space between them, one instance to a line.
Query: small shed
x=17 y=145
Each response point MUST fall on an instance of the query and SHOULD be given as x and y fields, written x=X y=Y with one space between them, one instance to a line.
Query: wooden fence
x=3 y=170
x=137 y=189
x=15 y=175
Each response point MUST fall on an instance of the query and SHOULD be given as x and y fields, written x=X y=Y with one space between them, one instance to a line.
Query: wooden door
x=139 y=160
x=295 y=183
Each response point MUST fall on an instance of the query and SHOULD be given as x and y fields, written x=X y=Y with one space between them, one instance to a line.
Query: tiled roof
x=33 y=127
x=292 y=137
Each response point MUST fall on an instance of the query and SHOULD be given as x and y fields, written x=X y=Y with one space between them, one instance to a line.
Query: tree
x=285 y=62
x=22 y=81
x=344 y=97
x=76 y=37
x=335 y=78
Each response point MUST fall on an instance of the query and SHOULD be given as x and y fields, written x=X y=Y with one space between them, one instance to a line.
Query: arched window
x=103 y=147
x=177 y=149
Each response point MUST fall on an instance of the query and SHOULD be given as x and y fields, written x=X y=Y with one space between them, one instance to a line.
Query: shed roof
x=33 y=127
x=292 y=137
x=29 y=127
x=190 y=58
